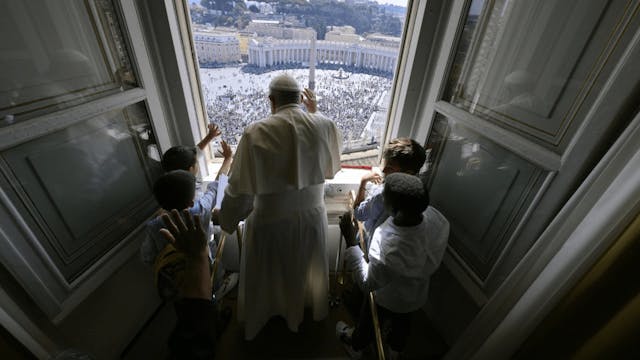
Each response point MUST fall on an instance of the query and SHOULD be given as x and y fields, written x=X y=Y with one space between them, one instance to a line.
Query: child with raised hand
x=186 y=157
x=402 y=155
x=176 y=189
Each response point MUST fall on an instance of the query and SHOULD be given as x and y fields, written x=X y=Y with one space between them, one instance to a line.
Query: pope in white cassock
x=277 y=185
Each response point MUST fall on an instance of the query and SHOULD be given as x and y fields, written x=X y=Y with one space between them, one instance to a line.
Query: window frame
x=22 y=254
x=395 y=125
x=513 y=309
x=186 y=35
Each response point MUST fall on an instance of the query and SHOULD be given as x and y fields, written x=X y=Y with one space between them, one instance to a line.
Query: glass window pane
x=55 y=54
x=481 y=188
x=464 y=45
x=90 y=184
x=518 y=62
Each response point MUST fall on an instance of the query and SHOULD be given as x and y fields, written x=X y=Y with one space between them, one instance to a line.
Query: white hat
x=284 y=82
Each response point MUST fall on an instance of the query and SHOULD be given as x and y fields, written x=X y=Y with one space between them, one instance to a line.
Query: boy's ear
x=191 y=203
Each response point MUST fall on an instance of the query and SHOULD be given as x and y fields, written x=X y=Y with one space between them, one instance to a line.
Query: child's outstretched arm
x=227 y=153
x=371 y=176
x=211 y=134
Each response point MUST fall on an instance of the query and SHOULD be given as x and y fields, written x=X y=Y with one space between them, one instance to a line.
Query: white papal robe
x=277 y=184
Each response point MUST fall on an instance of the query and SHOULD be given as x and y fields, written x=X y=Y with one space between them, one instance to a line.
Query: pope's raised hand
x=309 y=100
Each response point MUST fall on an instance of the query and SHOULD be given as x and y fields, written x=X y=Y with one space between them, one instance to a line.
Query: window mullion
x=140 y=53
x=416 y=115
x=42 y=125
x=517 y=144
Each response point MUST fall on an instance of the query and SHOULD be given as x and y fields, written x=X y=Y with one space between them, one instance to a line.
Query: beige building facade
x=275 y=29
x=217 y=48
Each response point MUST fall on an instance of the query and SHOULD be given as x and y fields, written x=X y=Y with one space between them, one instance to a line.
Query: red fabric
x=363 y=167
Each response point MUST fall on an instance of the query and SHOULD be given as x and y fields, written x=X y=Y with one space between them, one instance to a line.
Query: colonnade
x=270 y=53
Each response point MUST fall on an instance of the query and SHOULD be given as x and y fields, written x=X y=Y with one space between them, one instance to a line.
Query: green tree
x=388 y=25
x=318 y=24
x=221 y=5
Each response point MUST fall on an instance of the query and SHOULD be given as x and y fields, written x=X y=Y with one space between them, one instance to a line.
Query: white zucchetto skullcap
x=284 y=82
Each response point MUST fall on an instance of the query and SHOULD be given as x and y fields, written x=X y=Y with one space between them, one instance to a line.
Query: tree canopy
x=317 y=14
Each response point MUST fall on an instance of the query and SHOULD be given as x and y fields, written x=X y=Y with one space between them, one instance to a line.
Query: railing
x=218 y=258
x=376 y=326
x=220 y=249
x=372 y=302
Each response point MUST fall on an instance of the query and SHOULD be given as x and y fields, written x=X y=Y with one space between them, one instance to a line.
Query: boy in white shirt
x=405 y=251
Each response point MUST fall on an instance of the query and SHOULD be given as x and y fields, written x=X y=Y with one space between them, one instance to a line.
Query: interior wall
x=600 y=317
x=105 y=322
x=449 y=314
x=15 y=299
x=10 y=348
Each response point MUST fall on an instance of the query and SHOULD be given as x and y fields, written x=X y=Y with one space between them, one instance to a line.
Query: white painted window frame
x=20 y=250
x=551 y=267
x=179 y=19
x=588 y=225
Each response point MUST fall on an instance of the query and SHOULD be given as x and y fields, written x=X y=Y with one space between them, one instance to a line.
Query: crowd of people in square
x=353 y=102
x=276 y=187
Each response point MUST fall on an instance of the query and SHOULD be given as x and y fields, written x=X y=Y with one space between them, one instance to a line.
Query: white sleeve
x=235 y=207
x=369 y=276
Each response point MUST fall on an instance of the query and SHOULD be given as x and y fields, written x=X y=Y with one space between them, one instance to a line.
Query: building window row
x=338 y=53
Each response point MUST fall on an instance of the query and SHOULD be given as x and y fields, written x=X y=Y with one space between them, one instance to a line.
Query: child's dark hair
x=175 y=189
x=406 y=193
x=407 y=153
x=179 y=158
